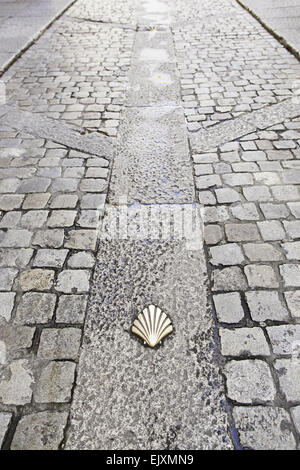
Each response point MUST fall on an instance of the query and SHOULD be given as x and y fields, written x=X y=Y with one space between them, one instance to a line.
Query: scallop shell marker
x=152 y=325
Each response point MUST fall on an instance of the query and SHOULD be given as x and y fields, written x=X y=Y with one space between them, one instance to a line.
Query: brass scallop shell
x=152 y=325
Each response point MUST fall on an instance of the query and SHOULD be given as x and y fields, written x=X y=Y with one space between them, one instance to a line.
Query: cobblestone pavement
x=167 y=74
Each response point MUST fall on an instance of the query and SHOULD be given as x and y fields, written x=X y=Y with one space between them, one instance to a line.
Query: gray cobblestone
x=226 y=255
x=265 y=305
x=288 y=371
x=283 y=338
x=35 y=307
x=249 y=381
x=290 y=274
x=243 y=342
x=241 y=232
x=264 y=428
x=50 y=258
x=17 y=389
x=82 y=239
x=229 y=279
x=59 y=343
x=73 y=281
x=229 y=307
x=71 y=309
x=55 y=383
x=271 y=230
x=296 y=417
x=40 y=431
x=246 y=211
x=262 y=252
x=6 y=305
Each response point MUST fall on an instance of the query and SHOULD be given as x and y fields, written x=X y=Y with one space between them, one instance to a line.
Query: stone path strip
x=229 y=375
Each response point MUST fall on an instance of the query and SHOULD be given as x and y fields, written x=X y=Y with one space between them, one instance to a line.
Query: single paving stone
x=212 y=234
x=293 y=302
x=15 y=239
x=97 y=172
x=274 y=211
x=249 y=381
x=82 y=259
x=93 y=185
x=283 y=338
x=17 y=389
x=89 y=218
x=9 y=202
x=71 y=309
x=40 y=431
x=64 y=185
x=5 y=419
x=285 y=193
x=62 y=218
x=291 y=176
x=261 y=276
x=64 y=201
x=279 y=155
x=271 y=230
x=34 y=185
x=264 y=428
x=50 y=258
x=229 y=307
x=295 y=412
x=253 y=156
x=73 y=281
x=36 y=201
x=288 y=371
x=7 y=277
x=292 y=250
x=257 y=193
x=226 y=255
x=35 y=307
x=34 y=219
x=7 y=300
x=241 y=232
x=15 y=258
x=205 y=158
x=290 y=274
x=49 y=238
x=243 y=342
x=292 y=228
x=82 y=240
x=229 y=279
x=237 y=179
x=208 y=181
x=36 y=279
x=55 y=383
x=227 y=195
x=246 y=211
x=262 y=252
x=265 y=305
x=59 y=343
x=215 y=214
x=16 y=339
x=9 y=185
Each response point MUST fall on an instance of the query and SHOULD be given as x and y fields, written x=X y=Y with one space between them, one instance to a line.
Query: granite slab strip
x=245 y=124
x=131 y=396
x=58 y=132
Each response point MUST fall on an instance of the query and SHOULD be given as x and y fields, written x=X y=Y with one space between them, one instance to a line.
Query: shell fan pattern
x=152 y=325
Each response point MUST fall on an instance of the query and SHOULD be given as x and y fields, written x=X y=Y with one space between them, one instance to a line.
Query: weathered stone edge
x=56 y=131
x=245 y=124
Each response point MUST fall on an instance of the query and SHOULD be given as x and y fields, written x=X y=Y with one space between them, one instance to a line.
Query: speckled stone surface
x=129 y=396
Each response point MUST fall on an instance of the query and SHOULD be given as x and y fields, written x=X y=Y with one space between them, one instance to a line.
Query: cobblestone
x=243 y=342
x=288 y=371
x=59 y=343
x=55 y=383
x=40 y=431
x=264 y=428
x=249 y=381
